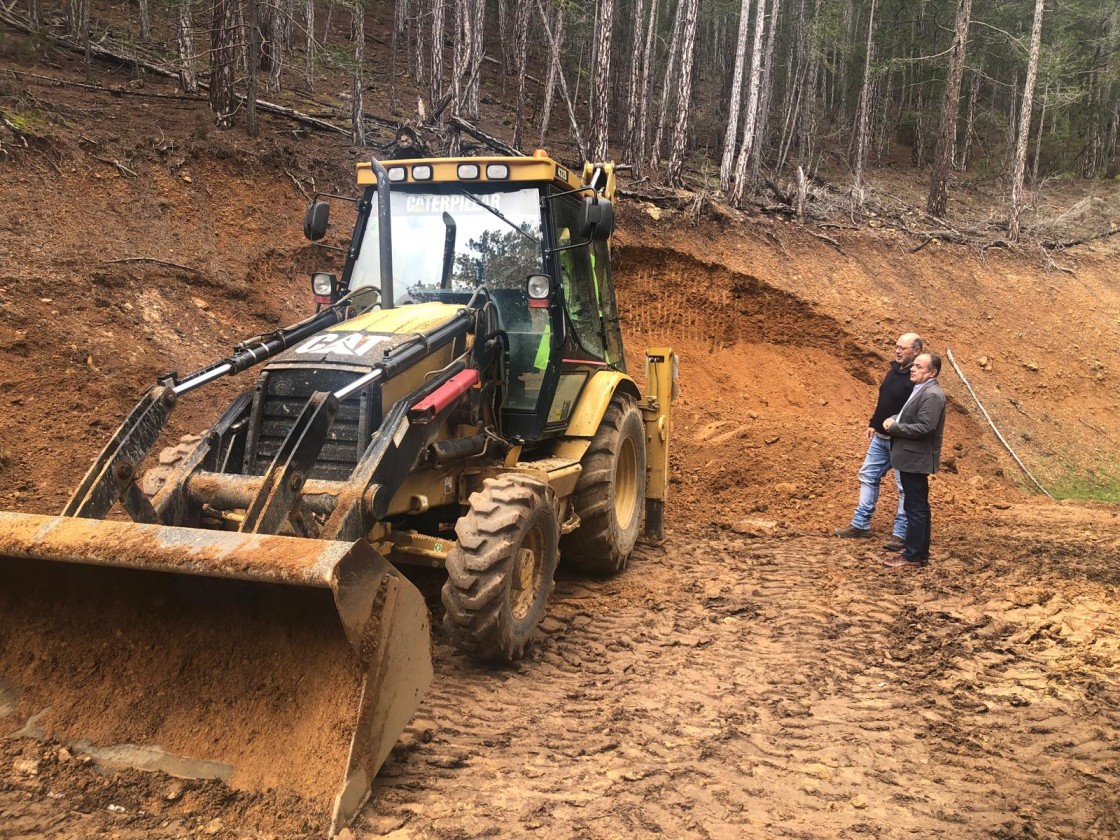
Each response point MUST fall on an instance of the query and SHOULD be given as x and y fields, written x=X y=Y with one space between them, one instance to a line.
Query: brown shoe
x=895 y=543
x=852 y=531
x=899 y=561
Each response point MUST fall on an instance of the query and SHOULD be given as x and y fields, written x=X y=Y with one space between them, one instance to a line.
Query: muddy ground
x=753 y=676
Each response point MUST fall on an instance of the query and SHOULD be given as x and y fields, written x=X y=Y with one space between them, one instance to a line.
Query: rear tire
x=500 y=573
x=609 y=493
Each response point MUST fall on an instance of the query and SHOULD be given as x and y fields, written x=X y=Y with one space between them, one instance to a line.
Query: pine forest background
x=717 y=95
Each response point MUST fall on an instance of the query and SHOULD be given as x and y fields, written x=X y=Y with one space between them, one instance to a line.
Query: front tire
x=610 y=492
x=500 y=573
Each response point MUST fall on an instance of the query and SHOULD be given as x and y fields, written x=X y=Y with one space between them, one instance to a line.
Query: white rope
x=988 y=417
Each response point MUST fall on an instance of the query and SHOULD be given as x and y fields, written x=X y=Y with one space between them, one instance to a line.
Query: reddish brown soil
x=751 y=677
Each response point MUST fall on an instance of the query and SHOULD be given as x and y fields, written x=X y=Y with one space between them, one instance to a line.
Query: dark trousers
x=916 y=508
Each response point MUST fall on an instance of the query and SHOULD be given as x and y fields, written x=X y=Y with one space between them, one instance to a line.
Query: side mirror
x=597 y=218
x=538 y=288
x=315 y=220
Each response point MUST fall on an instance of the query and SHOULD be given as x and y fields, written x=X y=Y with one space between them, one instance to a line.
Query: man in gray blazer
x=916 y=433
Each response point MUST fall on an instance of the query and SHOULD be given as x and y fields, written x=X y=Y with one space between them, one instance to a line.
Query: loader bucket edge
x=167 y=548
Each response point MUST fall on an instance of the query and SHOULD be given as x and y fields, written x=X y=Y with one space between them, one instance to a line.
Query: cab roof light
x=397 y=173
x=497 y=171
x=422 y=172
x=468 y=171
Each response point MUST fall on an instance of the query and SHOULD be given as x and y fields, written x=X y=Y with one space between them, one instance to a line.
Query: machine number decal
x=342 y=344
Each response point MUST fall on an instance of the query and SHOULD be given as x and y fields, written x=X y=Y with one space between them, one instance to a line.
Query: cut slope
x=775 y=398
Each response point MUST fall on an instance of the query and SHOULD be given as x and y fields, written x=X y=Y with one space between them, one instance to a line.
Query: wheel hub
x=526 y=576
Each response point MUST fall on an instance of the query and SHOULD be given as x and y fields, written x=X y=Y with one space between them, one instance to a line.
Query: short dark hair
x=918 y=345
x=935 y=363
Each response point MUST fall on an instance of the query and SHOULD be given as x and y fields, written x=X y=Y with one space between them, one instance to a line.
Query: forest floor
x=751 y=677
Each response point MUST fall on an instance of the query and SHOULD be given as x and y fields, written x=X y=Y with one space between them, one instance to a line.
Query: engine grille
x=283 y=394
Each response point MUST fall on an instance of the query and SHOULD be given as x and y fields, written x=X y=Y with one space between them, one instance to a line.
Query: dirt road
x=728 y=686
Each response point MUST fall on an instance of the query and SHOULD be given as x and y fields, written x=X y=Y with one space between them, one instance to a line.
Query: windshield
x=445 y=239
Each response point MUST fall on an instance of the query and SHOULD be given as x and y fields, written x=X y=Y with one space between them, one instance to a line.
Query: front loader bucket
x=240 y=679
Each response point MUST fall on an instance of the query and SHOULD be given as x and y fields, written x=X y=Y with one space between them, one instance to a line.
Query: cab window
x=578 y=279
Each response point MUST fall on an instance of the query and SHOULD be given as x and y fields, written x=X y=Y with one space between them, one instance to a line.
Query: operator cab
x=519 y=227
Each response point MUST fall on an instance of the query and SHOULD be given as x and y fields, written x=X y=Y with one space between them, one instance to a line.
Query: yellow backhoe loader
x=459 y=399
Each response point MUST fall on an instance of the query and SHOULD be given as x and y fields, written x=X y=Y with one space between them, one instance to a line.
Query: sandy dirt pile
x=751 y=677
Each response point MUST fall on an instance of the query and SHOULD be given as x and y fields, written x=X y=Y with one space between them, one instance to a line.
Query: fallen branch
x=20 y=135
x=93 y=49
x=673 y=201
x=124 y=170
x=299 y=186
x=152 y=260
x=292 y=114
x=830 y=241
x=1090 y=426
x=1055 y=245
x=126 y=58
x=121 y=91
x=489 y=139
x=988 y=417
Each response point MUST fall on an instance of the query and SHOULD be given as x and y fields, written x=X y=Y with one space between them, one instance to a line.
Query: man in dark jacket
x=893 y=392
x=916 y=435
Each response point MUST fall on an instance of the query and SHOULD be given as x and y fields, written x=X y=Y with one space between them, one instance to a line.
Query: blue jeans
x=876 y=465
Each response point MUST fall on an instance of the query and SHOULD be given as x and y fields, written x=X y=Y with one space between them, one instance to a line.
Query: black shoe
x=899 y=561
x=853 y=531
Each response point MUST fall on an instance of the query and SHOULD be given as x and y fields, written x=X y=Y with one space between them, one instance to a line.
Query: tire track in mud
x=725 y=687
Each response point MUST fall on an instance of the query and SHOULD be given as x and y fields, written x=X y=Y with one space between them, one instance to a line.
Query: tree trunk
x=358 y=36
x=1024 y=125
x=74 y=18
x=554 y=45
x=684 y=97
x=83 y=28
x=1038 y=136
x=634 y=83
x=667 y=85
x=863 y=119
x=938 y=199
x=807 y=123
x=435 y=90
x=750 y=115
x=145 y=21
x=223 y=61
x=642 y=132
x=767 y=91
x=275 y=23
x=553 y=70
x=254 y=65
x=600 y=81
x=970 y=118
x=504 y=40
x=460 y=59
x=521 y=59
x=184 y=39
x=478 y=12
x=467 y=67
x=731 y=134
x=400 y=12
x=309 y=49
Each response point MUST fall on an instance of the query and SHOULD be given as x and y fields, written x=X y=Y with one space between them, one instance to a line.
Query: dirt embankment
x=775 y=682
